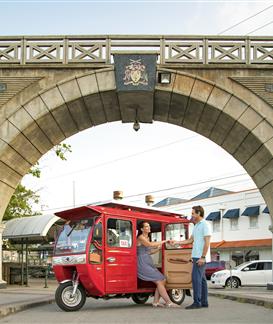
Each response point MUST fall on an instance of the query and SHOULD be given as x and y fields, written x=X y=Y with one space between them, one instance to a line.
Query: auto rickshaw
x=95 y=254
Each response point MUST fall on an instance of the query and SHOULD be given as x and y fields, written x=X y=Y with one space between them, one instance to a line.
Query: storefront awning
x=241 y=244
x=232 y=213
x=213 y=216
x=266 y=210
x=251 y=211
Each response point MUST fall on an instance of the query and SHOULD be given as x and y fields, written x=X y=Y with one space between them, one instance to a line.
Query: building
x=239 y=221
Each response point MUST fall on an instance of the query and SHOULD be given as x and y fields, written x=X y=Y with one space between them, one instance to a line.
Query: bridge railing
x=59 y=50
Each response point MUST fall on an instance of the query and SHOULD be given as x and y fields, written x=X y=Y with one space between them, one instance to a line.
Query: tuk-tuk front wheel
x=177 y=296
x=140 y=298
x=66 y=301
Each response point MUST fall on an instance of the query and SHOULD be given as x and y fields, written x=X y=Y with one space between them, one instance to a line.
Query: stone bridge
x=54 y=87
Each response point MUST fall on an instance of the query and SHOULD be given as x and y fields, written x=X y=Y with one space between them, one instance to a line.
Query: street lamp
x=136 y=126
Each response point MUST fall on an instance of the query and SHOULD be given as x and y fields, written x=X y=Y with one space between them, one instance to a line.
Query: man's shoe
x=205 y=306
x=193 y=306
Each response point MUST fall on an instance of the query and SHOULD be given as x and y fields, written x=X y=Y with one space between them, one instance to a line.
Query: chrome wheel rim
x=232 y=283
x=68 y=299
x=177 y=294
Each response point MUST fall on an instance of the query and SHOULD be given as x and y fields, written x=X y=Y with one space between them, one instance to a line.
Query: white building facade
x=240 y=225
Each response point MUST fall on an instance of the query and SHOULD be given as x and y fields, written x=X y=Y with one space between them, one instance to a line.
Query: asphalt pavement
x=16 y=298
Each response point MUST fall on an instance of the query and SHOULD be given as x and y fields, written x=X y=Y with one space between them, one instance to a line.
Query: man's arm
x=188 y=241
x=206 y=245
x=202 y=260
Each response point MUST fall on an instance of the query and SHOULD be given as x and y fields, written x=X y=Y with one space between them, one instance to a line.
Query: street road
x=123 y=311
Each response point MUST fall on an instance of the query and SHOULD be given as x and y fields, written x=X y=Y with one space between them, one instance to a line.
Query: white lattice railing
x=170 y=49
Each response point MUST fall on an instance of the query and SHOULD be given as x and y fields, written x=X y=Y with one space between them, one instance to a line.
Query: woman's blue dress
x=146 y=270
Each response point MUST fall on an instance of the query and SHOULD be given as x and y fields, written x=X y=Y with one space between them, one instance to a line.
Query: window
x=252 y=266
x=175 y=232
x=260 y=266
x=233 y=224
x=216 y=226
x=95 y=250
x=73 y=237
x=268 y=266
x=119 y=233
x=253 y=221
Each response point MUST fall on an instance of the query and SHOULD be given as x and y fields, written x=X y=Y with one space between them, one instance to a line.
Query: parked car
x=251 y=273
x=214 y=266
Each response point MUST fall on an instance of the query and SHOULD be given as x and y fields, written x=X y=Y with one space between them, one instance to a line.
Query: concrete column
x=222 y=222
x=270 y=284
x=3 y=284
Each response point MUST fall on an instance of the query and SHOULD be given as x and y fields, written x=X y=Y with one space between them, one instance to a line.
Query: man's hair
x=199 y=210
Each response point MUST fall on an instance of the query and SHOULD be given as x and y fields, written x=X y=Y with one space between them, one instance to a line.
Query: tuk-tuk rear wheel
x=140 y=298
x=177 y=296
x=64 y=299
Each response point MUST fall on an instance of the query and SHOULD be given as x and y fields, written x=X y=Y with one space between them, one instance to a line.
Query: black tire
x=67 y=303
x=232 y=282
x=140 y=298
x=177 y=296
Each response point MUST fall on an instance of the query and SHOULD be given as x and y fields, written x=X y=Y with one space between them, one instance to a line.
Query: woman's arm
x=147 y=243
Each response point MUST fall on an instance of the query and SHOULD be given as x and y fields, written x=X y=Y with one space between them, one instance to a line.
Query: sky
x=113 y=156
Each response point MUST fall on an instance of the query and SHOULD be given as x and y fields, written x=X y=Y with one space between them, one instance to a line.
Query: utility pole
x=3 y=283
x=74 y=193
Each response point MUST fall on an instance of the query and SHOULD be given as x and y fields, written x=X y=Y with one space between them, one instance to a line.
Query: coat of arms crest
x=135 y=73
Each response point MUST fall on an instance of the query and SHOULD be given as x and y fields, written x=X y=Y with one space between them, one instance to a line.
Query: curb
x=6 y=310
x=244 y=299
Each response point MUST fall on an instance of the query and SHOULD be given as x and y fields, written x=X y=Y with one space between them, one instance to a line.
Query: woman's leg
x=156 y=296
x=162 y=290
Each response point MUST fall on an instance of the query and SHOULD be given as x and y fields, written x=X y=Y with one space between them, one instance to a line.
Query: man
x=200 y=255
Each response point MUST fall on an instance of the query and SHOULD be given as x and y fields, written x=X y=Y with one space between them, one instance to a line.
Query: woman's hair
x=140 y=226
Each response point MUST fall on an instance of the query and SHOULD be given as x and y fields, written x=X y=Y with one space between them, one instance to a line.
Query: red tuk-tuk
x=95 y=254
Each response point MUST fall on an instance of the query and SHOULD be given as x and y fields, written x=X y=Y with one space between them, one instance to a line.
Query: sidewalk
x=252 y=295
x=16 y=298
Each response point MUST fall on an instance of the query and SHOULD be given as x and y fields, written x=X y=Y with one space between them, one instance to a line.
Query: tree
x=20 y=204
x=22 y=200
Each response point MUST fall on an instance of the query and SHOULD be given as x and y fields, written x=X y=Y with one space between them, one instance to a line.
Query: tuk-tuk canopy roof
x=112 y=208
x=31 y=229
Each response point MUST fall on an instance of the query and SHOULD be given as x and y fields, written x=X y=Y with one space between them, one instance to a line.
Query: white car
x=251 y=273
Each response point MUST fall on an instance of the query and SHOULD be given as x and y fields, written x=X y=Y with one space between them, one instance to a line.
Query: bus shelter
x=35 y=233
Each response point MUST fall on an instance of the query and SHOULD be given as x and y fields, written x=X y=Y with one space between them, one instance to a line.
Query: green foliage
x=35 y=170
x=22 y=200
x=61 y=150
x=20 y=204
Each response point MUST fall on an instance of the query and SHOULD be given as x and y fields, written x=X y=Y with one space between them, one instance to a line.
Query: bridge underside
x=232 y=116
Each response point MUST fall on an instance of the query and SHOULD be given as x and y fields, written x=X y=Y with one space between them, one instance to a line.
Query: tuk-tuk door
x=120 y=254
x=177 y=259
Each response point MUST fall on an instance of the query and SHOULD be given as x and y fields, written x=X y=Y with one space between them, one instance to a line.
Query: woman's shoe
x=157 y=305
x=172 y=305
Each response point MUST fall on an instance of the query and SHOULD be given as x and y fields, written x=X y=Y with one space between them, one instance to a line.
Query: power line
x=185 y=186
x=121 y=158
x=161 y=190
x=244 y=20
x=260 y=27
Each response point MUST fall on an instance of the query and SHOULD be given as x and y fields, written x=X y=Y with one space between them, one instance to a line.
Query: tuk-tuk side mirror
x=97 y=234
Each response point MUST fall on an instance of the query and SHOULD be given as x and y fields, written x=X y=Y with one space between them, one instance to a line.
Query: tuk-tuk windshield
x=73 y=237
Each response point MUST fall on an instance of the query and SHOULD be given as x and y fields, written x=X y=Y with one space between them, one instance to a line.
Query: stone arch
x=87 y=100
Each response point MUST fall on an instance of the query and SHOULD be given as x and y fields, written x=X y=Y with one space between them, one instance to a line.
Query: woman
x=146 y=269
